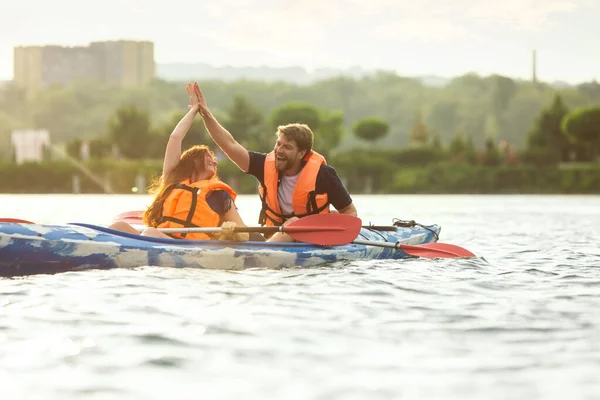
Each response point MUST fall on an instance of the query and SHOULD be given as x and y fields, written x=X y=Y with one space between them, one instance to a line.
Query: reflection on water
x=521 y=322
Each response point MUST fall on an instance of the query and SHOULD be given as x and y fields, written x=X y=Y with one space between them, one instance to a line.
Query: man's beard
x=283 y=165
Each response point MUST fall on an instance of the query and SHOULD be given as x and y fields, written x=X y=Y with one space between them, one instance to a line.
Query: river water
x=520 y=322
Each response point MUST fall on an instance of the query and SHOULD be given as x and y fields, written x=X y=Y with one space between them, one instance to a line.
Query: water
x=522 y=322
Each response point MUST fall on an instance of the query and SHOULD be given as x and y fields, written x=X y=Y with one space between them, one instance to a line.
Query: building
x=123 y=62
x=30 y=145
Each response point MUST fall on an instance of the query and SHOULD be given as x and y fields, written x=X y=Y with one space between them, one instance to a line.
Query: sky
x=413 y=37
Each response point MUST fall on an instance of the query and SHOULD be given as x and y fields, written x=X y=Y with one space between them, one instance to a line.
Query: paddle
x=131 y=217
x=426 y=250
x=15 y=221
x=135 y=218
x=321 y=229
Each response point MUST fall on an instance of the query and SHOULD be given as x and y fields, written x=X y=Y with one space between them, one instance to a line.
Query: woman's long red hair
x=192 y=160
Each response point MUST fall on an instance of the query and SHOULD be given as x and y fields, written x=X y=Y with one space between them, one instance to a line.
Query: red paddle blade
x=436 y=250
x=325 y=229
x=131 y=217
x=15 y=221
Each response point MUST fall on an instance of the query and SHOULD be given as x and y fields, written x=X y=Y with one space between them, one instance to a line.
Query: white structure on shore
x=30 y=145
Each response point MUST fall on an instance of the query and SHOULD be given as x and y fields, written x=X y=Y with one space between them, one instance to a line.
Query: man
x=295 y=181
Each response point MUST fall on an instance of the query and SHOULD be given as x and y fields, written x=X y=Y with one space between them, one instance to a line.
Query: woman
x=189 y=193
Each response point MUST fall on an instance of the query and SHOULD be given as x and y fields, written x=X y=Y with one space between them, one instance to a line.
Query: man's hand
x=201 y=101
x=221 y=136
x=289 y=221
x=350 y=210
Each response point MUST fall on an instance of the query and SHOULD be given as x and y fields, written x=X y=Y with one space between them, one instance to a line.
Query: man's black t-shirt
x=328 y=180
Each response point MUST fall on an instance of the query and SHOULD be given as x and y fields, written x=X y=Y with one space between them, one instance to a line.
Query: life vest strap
x=187 y=223
x=311 y=206
x=183 y=223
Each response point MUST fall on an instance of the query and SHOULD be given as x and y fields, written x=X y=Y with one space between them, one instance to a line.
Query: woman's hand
x=228 y=232
x=192 y=96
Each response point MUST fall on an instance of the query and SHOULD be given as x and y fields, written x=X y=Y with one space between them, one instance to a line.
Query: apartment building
x=123 y=62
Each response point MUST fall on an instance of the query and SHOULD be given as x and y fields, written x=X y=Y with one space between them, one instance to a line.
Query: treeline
x=383 y=134
x=493 y=108
x=361 y=173
x=557 y=135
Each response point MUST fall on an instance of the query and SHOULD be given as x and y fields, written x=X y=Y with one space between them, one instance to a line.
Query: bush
x=541 y=157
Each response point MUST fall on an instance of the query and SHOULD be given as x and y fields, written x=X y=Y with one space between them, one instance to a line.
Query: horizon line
x=368 y=71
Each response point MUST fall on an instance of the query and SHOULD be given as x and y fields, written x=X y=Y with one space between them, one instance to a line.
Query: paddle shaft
x=135 y=217
x=320 y=229
x=378 y=244
x=259 y=229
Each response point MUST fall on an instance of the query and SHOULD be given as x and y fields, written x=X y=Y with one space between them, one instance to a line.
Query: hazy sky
x=413 y=37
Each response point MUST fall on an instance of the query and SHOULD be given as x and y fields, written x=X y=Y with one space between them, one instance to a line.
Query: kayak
x=27 y=248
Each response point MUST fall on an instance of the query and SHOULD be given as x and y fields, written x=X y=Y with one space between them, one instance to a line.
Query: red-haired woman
x=189 y=192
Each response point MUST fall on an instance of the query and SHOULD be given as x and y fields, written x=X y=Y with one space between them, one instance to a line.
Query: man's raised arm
x=221 y=136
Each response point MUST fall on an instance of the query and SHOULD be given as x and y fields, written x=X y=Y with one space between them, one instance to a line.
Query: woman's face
x=210 y=164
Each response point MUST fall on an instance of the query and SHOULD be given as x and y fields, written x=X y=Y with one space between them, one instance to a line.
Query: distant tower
x=534 y=66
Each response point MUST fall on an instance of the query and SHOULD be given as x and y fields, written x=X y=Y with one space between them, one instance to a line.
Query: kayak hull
x=27 y=249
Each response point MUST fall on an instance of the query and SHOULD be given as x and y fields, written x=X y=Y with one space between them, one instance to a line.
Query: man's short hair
x=299 y=133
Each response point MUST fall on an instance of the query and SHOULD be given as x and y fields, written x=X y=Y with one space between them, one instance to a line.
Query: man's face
x=287 y=154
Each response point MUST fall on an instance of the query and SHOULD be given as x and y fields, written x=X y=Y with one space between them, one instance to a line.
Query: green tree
x=56 y=111
x=247 y=124
x=444 y=117
x=196 y=135
x=457 y=145
x=100 y=147
x=14 y=103
x=461 y=148
x=503 y=91
x=591 y=90
x=419 y=134
x=491 y=128
x=520 y=114
x=74 y=148
x=130 y=130
x=582 y=125
x=290 y=113
x=464 y=104
x=371 y=129
x=7 y=125
x=326 y=126
x=492 y=155
x=469 y=150
x=436 y=144
x=330 y=132
x=547 y=133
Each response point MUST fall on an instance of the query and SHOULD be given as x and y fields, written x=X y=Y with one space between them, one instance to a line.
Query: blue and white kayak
x=27 y=249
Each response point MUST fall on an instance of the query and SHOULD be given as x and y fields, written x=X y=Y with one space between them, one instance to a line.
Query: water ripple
x=520 y=321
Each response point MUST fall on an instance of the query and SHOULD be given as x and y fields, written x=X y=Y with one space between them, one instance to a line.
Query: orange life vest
x=186 y=206
x=305 y=200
